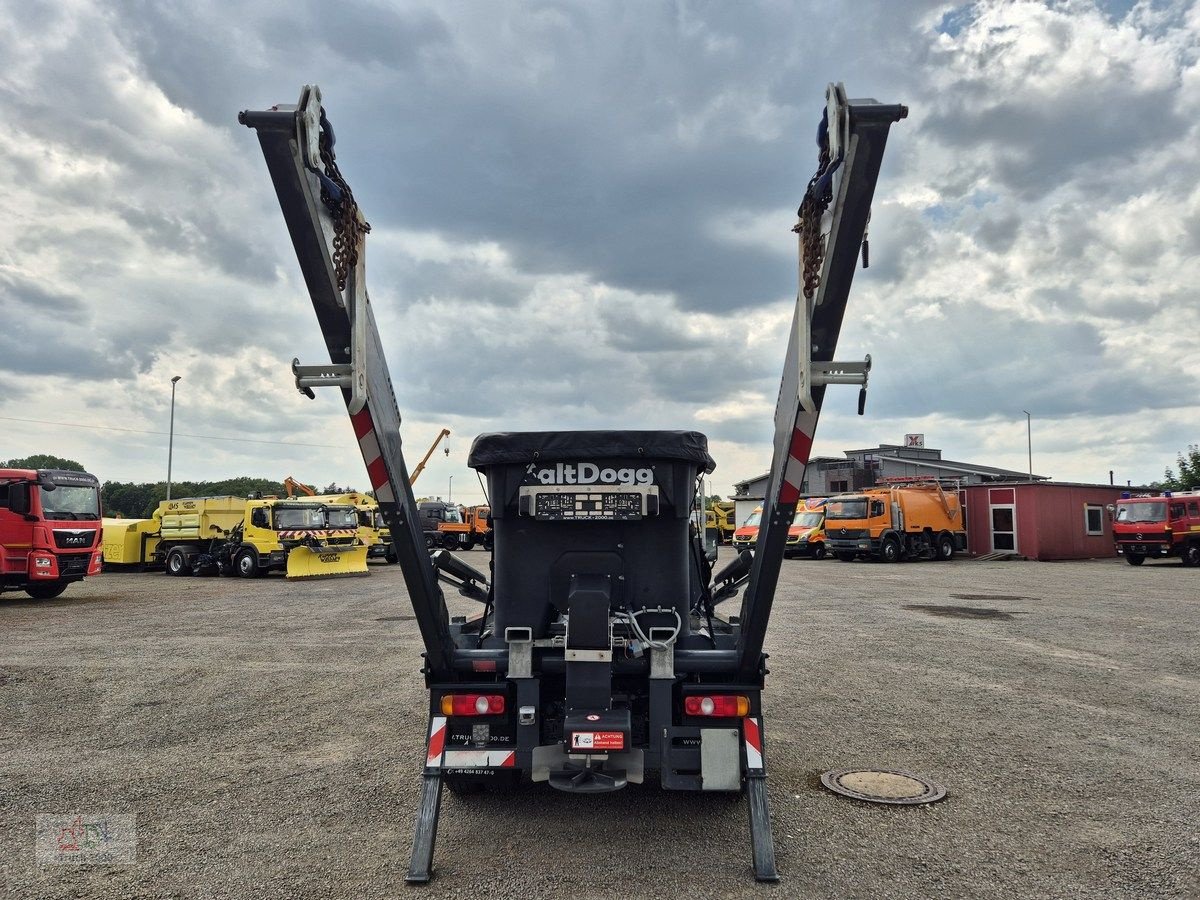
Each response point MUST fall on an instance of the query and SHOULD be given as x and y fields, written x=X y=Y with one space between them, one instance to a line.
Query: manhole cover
x=883 y=786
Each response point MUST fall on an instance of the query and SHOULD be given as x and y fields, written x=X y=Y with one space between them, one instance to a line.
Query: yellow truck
x=912 y=520
x=721 y=517
x=372 y=530
x=247 y=537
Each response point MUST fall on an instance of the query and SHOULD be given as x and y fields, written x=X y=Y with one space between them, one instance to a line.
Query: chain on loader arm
x=832 y=228
x=329 y=232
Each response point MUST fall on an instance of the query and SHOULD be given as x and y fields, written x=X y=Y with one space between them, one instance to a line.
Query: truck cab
x=50 y=531
x=1158 y=527
x=747 y=533
x=806 y=535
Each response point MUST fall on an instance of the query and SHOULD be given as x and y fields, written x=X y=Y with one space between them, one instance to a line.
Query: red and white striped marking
x=480 y=759
x=793 y=470
x=437 y=741
x=368 y=443
x=753 y=738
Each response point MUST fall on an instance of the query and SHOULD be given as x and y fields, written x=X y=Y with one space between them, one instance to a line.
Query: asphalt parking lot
x=268 y=737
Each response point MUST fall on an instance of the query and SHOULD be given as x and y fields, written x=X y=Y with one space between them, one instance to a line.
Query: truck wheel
x=391 y=556
x=467 y=545
x=945 y=546
x=450 y=541
x=889 y=550
x=177 y=562
x=429 y=541
x=845 y=556
x=487 y=543
x=47 y=591
x=1134 y=559
x=246 y=564
x=1191 y=555
x=818 y=550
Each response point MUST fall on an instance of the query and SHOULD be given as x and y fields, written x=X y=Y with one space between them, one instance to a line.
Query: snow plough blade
x=326 y=562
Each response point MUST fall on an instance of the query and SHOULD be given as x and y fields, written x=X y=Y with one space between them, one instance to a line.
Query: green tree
x=43 y=461
x=1189 y=471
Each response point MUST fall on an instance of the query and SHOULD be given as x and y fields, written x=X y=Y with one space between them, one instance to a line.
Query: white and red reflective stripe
x=437 y=741
x=753 y=737
x=793 y=470
x=368 y=443
x=479 y=759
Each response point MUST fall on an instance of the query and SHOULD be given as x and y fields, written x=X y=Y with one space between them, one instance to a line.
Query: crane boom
x=444 y=433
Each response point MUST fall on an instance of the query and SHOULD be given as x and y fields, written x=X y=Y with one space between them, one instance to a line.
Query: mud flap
x=322 y=562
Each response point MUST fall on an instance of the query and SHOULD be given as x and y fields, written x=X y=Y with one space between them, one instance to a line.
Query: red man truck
x=49 y=530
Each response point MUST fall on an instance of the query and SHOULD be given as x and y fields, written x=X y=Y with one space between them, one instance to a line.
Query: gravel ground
x=268 y=736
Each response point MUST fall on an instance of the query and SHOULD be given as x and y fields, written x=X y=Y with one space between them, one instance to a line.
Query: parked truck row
x=889 y=522
x=248 y=537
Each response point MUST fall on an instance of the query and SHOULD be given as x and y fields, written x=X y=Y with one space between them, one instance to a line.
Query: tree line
x=133 y=500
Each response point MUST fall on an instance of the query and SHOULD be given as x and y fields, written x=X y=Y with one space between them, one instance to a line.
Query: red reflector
x=483 y=665
x=472 y=704
x=727 y=706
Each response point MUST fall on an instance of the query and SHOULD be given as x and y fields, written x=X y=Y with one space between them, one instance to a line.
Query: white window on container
x=1093 y=518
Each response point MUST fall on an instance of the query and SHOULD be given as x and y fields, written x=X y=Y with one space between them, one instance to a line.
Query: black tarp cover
x=522 y=447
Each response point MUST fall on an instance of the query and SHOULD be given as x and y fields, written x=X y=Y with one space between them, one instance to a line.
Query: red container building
x=1043 y=520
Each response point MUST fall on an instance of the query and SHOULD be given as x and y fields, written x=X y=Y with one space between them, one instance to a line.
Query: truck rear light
x=718 y=706
x=472 y=704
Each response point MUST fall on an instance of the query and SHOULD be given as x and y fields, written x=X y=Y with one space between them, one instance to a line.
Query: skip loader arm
x=851 y=138
x=297 y=143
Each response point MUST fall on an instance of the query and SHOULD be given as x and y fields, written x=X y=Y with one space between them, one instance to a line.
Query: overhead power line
x=206 y=437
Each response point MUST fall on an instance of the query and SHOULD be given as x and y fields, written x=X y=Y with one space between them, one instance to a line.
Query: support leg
x=425 y=832
x=762 y=844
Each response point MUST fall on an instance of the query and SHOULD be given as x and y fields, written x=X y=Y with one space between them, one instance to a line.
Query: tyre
x=818 y=550
x=1191 y=555
x=177 y=562
x=429 y=541
x=450 y=542
x=246 y=564
x=487 y=543
x=889 y=550
x=467 y=545
x=1134 y=559
x=845 y=556
x=391 y=556
x=47 y=591
x=944 y=546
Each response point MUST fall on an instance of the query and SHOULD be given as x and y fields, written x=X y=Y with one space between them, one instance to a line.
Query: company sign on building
x=914 y=440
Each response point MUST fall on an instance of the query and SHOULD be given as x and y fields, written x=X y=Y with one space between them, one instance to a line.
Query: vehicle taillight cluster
x=717 y=706
x=472 y=704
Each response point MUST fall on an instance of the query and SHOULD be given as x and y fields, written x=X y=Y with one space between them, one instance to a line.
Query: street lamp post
x=1029 y=440
x=450 y=491
x=171 y=434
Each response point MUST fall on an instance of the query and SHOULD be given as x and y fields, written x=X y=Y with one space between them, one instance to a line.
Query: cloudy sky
x=582 y=219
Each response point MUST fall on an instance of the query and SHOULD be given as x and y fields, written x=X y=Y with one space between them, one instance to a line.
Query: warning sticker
x=597 y=740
